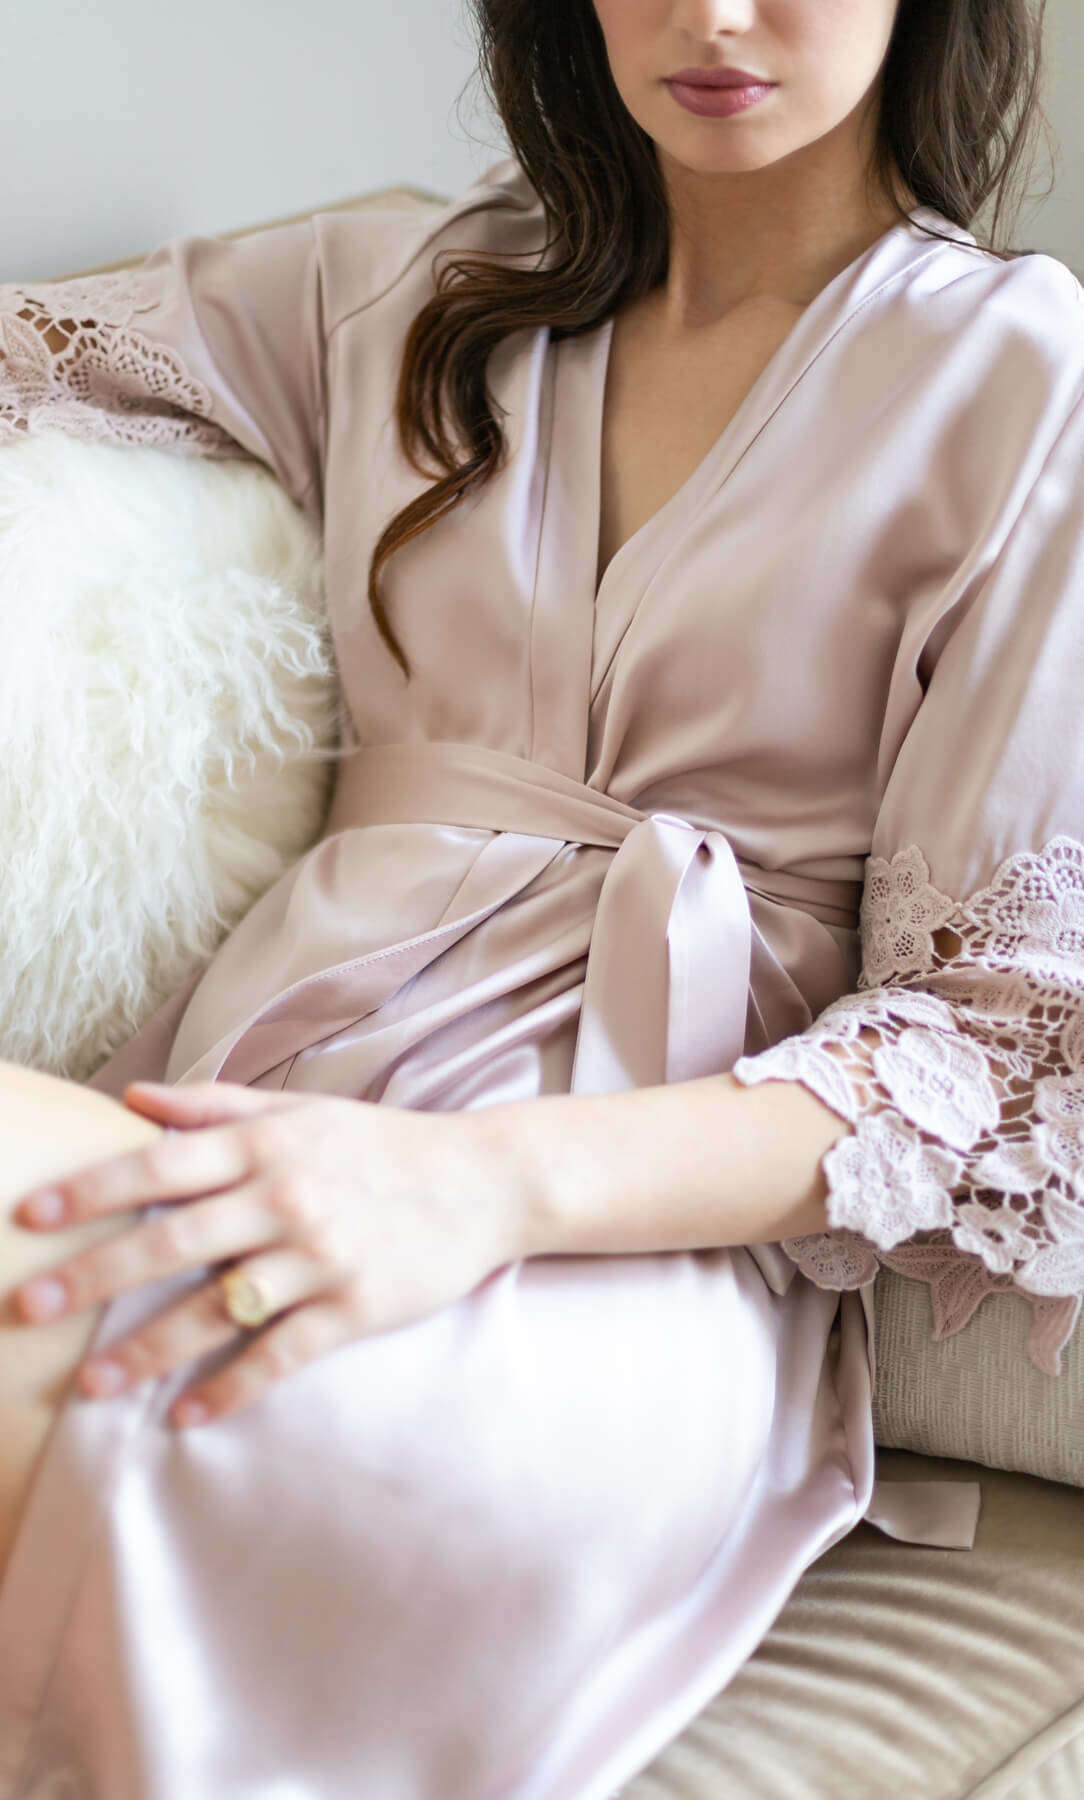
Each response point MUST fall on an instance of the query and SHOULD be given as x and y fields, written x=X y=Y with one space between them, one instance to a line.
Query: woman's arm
x=689 y=1165
x=210 y=345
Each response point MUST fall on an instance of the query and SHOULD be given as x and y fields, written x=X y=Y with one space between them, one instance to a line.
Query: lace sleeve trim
x=71 y=360
x=959 y=1062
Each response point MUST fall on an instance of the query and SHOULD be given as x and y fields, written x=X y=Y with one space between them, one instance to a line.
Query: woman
x=719 y=499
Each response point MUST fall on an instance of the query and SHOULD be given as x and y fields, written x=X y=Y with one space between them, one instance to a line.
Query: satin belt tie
x=672 y=934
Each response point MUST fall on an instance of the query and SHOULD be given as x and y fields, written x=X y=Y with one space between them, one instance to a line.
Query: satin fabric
x=600 y=839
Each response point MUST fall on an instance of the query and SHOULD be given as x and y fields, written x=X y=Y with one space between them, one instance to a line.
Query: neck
x=779 y=234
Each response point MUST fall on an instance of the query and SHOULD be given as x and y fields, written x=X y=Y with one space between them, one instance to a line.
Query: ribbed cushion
x=900 y=1671
x=1051 y=1767
x=975 y=1395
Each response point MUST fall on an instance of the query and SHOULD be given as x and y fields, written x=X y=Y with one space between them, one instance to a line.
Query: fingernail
x=190 y=1412
x=43 y=1298
x=46 y=1208
x=103 y=1378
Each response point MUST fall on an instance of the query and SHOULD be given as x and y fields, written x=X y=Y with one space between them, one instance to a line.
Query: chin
x=706 y=163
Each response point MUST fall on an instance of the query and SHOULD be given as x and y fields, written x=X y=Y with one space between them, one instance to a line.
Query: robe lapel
x=562 y=619
x=577 y=434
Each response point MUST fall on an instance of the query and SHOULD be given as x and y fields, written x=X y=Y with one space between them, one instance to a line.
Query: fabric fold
x=942 y=1513
x=671 y=943
x=666 y=991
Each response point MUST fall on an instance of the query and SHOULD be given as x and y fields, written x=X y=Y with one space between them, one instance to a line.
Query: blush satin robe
x=600 y=840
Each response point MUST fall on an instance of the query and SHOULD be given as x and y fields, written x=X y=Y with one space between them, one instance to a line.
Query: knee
x=50 y=1128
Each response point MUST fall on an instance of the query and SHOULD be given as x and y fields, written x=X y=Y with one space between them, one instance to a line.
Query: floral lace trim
x=106 y=381
x=962 y=1072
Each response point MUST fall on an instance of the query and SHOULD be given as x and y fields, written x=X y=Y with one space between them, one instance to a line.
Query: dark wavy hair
x=958 y=105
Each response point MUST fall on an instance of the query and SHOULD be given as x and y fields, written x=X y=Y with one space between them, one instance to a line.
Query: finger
x=311 y=1330
x=197 y=1325
x=177 y=1238
x=181 y=1334
x=177 y=1165
x=205 y=1102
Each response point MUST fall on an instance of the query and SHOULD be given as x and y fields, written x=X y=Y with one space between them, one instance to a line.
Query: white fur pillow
x=167 y=671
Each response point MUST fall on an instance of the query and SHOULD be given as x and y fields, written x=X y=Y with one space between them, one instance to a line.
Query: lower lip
x=718 y=102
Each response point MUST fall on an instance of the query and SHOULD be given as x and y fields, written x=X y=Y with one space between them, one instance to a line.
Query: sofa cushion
x=976 y=1394
x=894 y=1669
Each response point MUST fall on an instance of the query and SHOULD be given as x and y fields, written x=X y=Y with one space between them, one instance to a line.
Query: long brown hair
x=958 y=105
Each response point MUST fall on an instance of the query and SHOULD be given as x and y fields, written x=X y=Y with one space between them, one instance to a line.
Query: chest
x=666 y=404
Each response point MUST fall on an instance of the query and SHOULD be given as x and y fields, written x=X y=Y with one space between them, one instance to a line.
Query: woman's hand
x=357 y=1218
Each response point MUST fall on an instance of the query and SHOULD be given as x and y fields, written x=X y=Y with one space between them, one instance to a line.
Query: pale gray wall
x=128 y=121
x=1059 y=222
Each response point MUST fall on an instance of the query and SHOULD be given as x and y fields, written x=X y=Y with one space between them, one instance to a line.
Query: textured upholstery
x=895 y=1670
x=975 y=1395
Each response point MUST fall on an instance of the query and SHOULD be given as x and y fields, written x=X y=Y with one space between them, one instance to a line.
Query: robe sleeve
x=959 y=1060
x=211 y=346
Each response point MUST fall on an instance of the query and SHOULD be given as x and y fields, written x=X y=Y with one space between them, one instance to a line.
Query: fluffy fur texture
x=166 y=687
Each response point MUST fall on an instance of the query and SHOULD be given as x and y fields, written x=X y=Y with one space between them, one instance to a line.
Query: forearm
x=690 y=1165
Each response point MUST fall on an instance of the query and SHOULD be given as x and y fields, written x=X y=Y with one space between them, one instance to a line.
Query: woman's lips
x=719 y=102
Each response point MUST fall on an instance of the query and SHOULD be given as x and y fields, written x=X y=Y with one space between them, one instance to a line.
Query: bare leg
x=48 y=1128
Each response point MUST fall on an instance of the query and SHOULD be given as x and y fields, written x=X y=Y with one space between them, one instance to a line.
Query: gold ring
x=248 y=1300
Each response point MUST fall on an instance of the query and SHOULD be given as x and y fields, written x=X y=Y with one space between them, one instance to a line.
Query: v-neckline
x=578 y=624
x=800 y=346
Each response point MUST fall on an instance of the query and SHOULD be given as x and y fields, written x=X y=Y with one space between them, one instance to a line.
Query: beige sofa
x=895 y=1670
